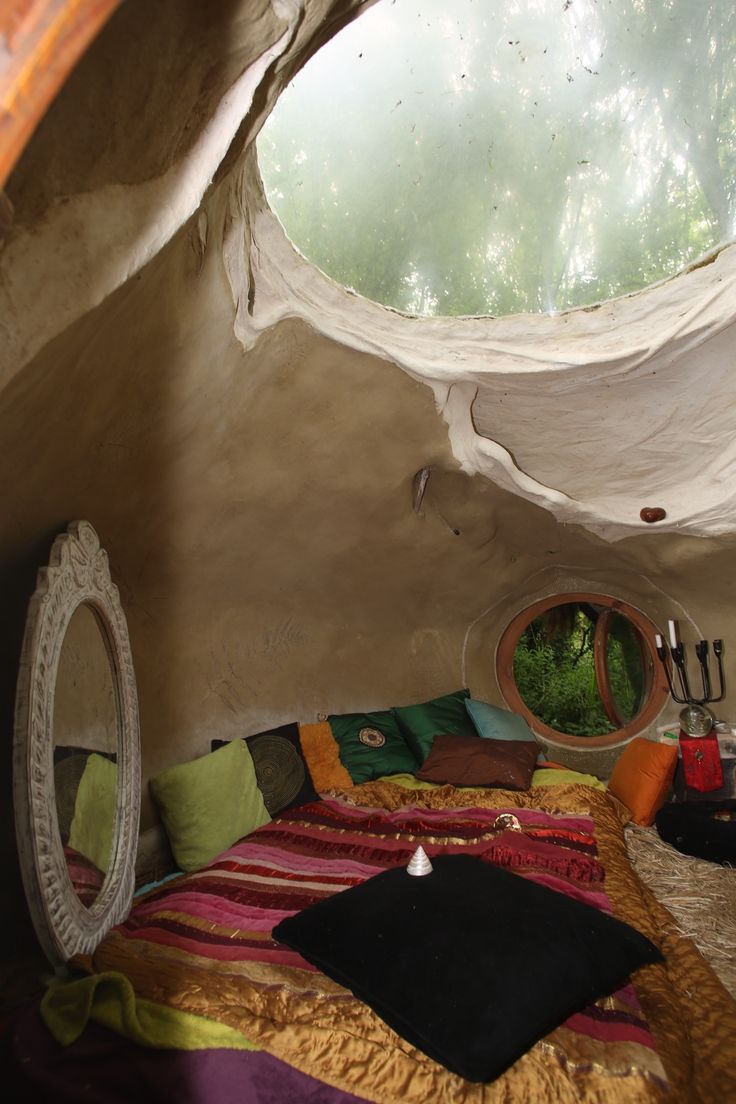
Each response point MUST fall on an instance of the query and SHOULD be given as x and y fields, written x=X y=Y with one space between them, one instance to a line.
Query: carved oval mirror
x=76 y=752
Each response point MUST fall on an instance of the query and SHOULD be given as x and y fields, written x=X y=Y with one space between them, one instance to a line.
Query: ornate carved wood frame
x=78 y=573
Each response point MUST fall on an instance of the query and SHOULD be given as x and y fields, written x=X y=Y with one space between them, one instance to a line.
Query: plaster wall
x=257 y=509
x=256 y=506
x=84 y=696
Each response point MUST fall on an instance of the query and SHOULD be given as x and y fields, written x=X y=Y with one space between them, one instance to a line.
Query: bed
x=211 y=995
x=201 y=944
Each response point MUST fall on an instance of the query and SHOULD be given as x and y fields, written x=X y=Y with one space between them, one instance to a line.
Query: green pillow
x=371 y=745
x=446 y=716
x=497 y=724
x=210 y=803
x=93 y=822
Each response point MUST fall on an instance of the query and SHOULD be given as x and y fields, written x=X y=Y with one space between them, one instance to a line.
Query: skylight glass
x=495 y=156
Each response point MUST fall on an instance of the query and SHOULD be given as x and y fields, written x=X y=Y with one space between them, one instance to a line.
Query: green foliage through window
x=554 y=670
x=490 y=157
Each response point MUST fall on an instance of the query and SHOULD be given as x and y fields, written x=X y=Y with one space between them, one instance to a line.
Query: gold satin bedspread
x=326 y=1032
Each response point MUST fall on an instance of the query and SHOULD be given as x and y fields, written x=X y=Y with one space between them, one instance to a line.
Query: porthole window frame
x=657 y=691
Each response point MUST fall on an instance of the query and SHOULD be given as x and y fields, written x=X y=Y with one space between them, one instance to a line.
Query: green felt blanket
x=109 y=999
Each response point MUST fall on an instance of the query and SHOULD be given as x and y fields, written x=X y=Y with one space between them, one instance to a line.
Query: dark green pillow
x=371 y=745
x=440 y=716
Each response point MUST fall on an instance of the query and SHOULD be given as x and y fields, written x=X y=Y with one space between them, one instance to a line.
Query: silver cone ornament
x=419 y=863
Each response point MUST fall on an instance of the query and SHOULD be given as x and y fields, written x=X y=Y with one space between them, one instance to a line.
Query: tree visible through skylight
x=495 y=156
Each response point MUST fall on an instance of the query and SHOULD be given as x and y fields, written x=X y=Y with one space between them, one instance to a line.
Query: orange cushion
x=642 y=777
x=323 y=757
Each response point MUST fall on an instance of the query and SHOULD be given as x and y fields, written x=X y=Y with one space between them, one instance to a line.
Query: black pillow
x=450 y=960
x=63 y=751
x=705 y=829
x=281 y=770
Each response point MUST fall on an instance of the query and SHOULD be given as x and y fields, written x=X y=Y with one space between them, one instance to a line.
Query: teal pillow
x=208 y=804
x=497 y=724
x=446 y=716
x=371 y=745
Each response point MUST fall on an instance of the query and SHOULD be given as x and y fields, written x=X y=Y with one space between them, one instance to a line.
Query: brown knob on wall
x=652 y=513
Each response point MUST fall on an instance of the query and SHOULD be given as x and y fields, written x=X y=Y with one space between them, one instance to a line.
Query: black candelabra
x=677 y=652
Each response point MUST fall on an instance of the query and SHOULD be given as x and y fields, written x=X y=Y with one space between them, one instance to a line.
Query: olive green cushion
x=209 y=803
x=372 y=745
x=93 y=822
x=445 y=715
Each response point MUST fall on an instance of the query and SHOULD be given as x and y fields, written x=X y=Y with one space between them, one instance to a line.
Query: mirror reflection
x=85 y=753
x=582 y=668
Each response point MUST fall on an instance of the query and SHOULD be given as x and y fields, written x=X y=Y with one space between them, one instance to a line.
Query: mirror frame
x=77 y=573
x=657 y=691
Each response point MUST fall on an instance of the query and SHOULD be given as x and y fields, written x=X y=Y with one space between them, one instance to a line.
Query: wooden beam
x=40 y=43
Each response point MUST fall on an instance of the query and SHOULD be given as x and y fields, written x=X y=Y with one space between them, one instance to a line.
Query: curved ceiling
x=593 y=413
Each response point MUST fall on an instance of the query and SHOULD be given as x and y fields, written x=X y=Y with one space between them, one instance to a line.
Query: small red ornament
x=652 y=513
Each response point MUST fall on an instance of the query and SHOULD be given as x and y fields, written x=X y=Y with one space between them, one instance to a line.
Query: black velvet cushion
x=705 y=829
x=451 y=961
x=281 y=770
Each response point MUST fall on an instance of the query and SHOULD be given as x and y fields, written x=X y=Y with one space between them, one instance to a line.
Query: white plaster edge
x=452 y=355
x=519 y=600
x=289 y=285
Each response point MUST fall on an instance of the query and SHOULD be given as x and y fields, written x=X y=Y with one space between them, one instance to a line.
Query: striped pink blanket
x=203 y=943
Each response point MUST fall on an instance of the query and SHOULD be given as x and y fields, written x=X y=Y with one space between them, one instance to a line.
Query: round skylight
x=495 y=156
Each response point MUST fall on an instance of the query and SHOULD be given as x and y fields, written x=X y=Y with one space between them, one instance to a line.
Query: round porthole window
x=582 y=669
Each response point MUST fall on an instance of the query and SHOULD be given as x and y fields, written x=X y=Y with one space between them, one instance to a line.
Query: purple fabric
x=104 y=1068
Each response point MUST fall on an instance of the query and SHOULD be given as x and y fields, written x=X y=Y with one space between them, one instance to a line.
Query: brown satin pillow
x=470 y=761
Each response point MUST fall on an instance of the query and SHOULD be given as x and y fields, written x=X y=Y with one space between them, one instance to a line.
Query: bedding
x=282 y=771
x=642 y=777
x=444 y=715
x=469 y=992
x=209 y=803
x=493 y=723
x=323 y=757
x=371 y=744
x=86 y=878
x=468 y=761
x=202 y=944
x=69 y=766
x=93 y=823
